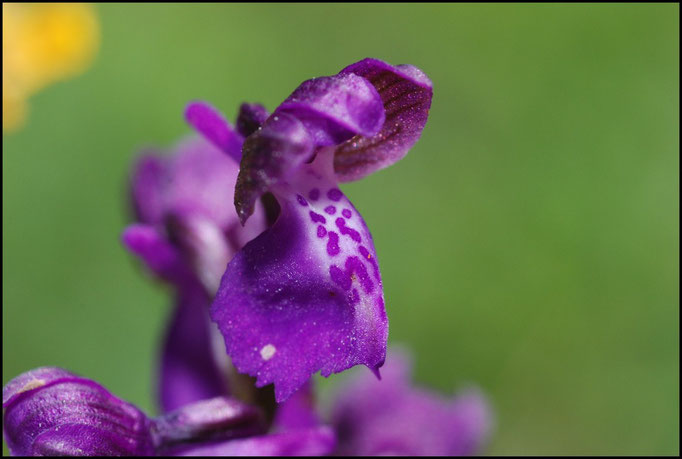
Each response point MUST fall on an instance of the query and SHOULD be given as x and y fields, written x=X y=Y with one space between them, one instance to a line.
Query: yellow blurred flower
x=41 y=44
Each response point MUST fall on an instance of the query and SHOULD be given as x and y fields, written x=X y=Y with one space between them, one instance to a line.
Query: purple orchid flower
x=49 y=411
x=306 y=295
x=186 y=234
x=390 y=417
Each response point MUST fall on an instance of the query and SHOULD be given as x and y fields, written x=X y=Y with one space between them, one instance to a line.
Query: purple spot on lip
x=368 y=256
x=354 y=269
x=317 y=218
x=334 y=194
x=301 y=200
x=321 y=231
x=346 y=213
x=340 y=277
x=341 y=224
x=314 y=194
x=331 y=210
x=355 y=299
x=355 y=265
x=333 y=244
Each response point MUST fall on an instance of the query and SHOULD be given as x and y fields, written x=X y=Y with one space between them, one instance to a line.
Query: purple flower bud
x=51 y=412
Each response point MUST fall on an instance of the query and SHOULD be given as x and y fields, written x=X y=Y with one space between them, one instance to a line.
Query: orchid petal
x=304 y=296
x=147 y=185
x=389 y=417
x=160 y=256
x=406 y=95
x=210 y=123
x=189 y=371
x=205 y=421
x=335 y=108
x=49 y=411
x=318 y=441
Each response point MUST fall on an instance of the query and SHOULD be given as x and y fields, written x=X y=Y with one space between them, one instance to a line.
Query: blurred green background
x=528 y=243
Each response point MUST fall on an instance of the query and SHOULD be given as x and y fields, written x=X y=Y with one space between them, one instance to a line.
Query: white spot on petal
x=268 y=351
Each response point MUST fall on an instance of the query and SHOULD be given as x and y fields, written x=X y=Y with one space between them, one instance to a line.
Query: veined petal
x=406 y=96
x=210 y=123
x=189 y=371
x=317 y=441
x=305 y=296
x=389 y=417
x=51 y=412
x=335 y=108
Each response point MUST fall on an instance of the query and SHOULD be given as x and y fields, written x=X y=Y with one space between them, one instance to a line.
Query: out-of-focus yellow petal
x=43 y=43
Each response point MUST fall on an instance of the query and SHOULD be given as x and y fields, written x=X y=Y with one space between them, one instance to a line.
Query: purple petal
x=298 y=411
x=305 y=296
x=189 y=371
x=406 y=94
x=213 y=126
x=319 y=441
x=147 y=184
x=335 y=108
x=270 y=156
x=155 y=251
x=206 y=421
x=203 y=246
x=390 y=417
x=250 y=118
x=49 y=411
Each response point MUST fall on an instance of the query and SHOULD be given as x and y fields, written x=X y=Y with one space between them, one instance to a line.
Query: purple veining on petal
x=406 y=95
x=347 y=213
x=335 y=108
x=301 y=200
x=333 y=244
x=314 y=194
x=250 y=118
x=317 y=218
x=210 y=123
x=281 y=313
x=334 y=194
x=345 y=230
x=391 y=417
x=331 y=210
x=49 y=411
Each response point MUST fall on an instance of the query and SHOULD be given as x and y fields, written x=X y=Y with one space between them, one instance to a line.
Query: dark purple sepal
x=406 y=94
x=250 y=118
x=210 y=123
x=270 y=156
x=49 y=411
x=207 y=421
